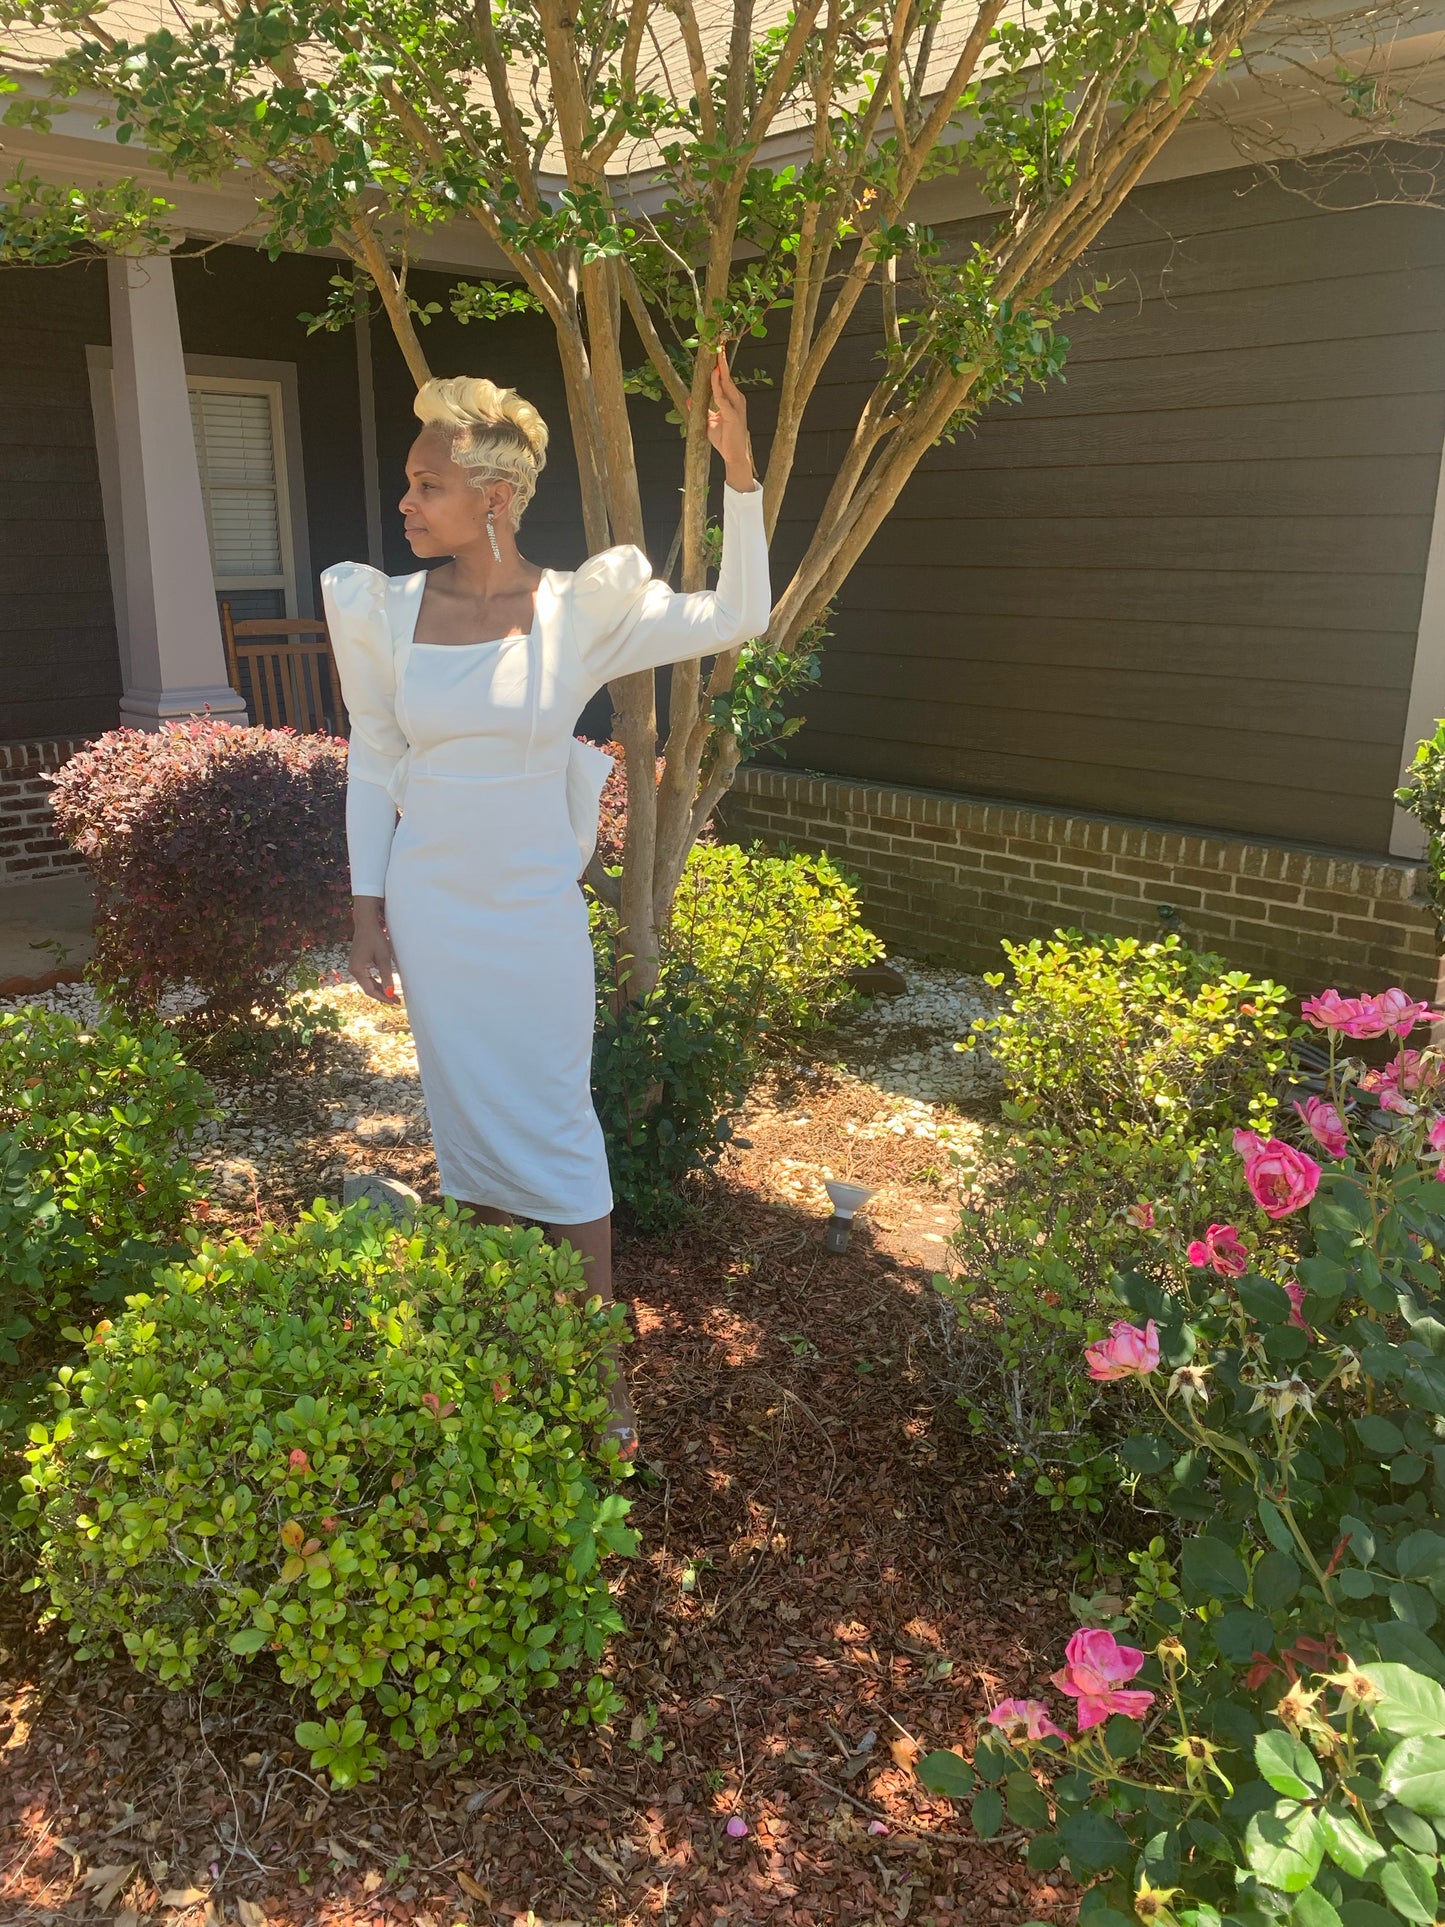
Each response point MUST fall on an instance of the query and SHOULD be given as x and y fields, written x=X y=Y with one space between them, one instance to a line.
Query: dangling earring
x=492 y=536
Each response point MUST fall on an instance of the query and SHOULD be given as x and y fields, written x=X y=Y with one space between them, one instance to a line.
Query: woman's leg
x=593 y=1243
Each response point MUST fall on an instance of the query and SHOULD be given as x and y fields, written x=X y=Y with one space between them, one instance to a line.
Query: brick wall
x=950 y=876
x=29 y=847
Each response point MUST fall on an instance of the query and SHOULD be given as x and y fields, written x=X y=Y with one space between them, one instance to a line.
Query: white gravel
x=908 y=1045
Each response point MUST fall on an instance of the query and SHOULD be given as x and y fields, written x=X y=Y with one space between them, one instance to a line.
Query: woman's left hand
x=727 y=425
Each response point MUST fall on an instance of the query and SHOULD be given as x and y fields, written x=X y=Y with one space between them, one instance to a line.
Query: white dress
x=473 y=744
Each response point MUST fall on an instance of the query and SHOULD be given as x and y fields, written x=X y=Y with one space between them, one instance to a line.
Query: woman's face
x=441 y=510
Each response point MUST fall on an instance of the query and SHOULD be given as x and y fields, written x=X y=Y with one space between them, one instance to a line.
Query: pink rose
x=1221 y=1248
x=1401 y=1080
x=1365 y=1017
x=1126 y=1353
x=1280 y=1178
x=1437 y=1135
x=1296 y=1296
x=1325 y=1125
x=1141 y=1216
x=1095 y=1667
x=298 y=1460
x=1025 y=1720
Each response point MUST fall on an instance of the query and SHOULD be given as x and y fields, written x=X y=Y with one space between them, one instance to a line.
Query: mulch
x=833 y=1574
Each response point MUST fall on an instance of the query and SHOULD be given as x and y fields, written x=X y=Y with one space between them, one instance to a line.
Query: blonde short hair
x=492 y=430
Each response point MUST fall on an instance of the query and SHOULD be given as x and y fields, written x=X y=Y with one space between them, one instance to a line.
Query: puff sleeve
x=354 y=596
x=624 y=619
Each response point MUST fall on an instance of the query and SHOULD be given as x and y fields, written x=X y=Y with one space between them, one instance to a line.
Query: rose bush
x=1127 y=1066
x=1268 y=1744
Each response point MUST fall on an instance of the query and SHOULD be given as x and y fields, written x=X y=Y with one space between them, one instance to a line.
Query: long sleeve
x=624 y=619
x=354 y=597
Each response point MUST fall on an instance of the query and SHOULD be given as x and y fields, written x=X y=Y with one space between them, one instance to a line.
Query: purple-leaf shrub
x=612 y=813
x=219 y=858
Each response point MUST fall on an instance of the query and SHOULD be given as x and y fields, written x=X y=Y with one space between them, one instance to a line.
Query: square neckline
x=491 y=642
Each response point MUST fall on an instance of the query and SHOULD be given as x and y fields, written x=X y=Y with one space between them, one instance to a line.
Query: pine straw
x=832 y=1571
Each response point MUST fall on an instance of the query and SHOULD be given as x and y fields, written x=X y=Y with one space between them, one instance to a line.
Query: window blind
x=236 y=450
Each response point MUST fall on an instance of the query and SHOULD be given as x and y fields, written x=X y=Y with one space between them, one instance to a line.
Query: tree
x=693 y=173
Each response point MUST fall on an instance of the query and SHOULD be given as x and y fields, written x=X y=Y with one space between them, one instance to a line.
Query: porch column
x=177 y=663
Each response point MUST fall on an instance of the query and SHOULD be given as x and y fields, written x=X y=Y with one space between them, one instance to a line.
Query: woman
x=463 y=684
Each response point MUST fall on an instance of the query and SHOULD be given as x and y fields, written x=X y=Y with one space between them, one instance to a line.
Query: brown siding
x=59 y=669
x=1183 y=584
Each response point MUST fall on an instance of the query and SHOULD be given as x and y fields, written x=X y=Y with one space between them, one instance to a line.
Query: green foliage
x=43 y=223
x=755 y=957
x=1127 y=1064
x=374 y=1453
x=1290 y=1764
x=93 y=1186
x=1423 y=795
x=752 y=709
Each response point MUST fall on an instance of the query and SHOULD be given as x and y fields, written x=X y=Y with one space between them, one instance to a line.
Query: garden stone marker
x=385 y=1194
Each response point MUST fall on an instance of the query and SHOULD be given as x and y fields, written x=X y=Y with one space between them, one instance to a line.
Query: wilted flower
x=1220 y=1247
x=737 y=1828
x=1141 y=1215
x=1325 y=1125
x=1280 y=1178
x=1190 y=1382
x=1155 y=1904
x=1020 y=1720
x=1095 y=1668
x=1280 y=1396
x=1126 y=1353
x=1436 y=1141
x=1171 y=1654
x=1200 y=1756
x=1354 y=1689
x=1296 y=1296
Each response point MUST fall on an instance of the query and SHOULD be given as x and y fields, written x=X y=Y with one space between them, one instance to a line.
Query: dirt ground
x=833 y=1574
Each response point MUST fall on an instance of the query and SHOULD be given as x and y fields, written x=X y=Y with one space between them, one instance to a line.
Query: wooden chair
x=288 y=682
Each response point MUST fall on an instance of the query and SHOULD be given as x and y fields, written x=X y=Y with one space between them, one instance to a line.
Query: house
x=1144 y=652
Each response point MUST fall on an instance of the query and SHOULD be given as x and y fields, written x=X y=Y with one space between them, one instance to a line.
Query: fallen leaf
x=183 y=1896
x=473 y=1889
x=905 y=1752
x=608 y=1865
x=106 y=1882
x=339 y=1853
x=127 y=1917
x=574 y=1794
x=371 y=1880
x=251 y=1914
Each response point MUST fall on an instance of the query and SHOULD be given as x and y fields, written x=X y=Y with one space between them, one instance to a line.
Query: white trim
x=1427 y=678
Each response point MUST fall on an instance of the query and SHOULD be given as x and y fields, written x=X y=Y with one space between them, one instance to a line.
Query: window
x=240 y=449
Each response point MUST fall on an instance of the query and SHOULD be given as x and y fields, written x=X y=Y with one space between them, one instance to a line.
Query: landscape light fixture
x=847 y=1198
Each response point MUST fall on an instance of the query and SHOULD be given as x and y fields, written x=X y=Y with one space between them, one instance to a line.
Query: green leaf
x=1313 y=1910
x=1379 y=1435
x=249 y=1640
x=1413 y=1829
x=1408 y=1881
x=1265 y=1301
x=1275 y=1529
x=1288 y=1765
x=1146 y=1453
x=1285 y=1846
x=1348 y=1845
x=1213 y=1570
x=1411 y=1704
x=1364 y=1913
x=1242 y=1633
x=1027 y=1807
x=1410 y=1647
x=1276 y=1581
x=1093 y=1842
x=311 y=1734
x=1414 y=1774
x=1044 y=1852
x=945 y=1773
x=986 y=1813
x=1425 y=1384
x=1421 y=1555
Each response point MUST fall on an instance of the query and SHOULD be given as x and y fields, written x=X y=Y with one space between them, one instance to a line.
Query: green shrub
x=755 y=956
x=94 y=1185
x=1423 y=796
x=1126 y=1064
x=373 y=1452
x=1273 y=1746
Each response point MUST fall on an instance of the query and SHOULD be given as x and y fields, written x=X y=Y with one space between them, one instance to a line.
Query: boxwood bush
x=755 y=956
x=372 y=1453
x=94 y=1182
